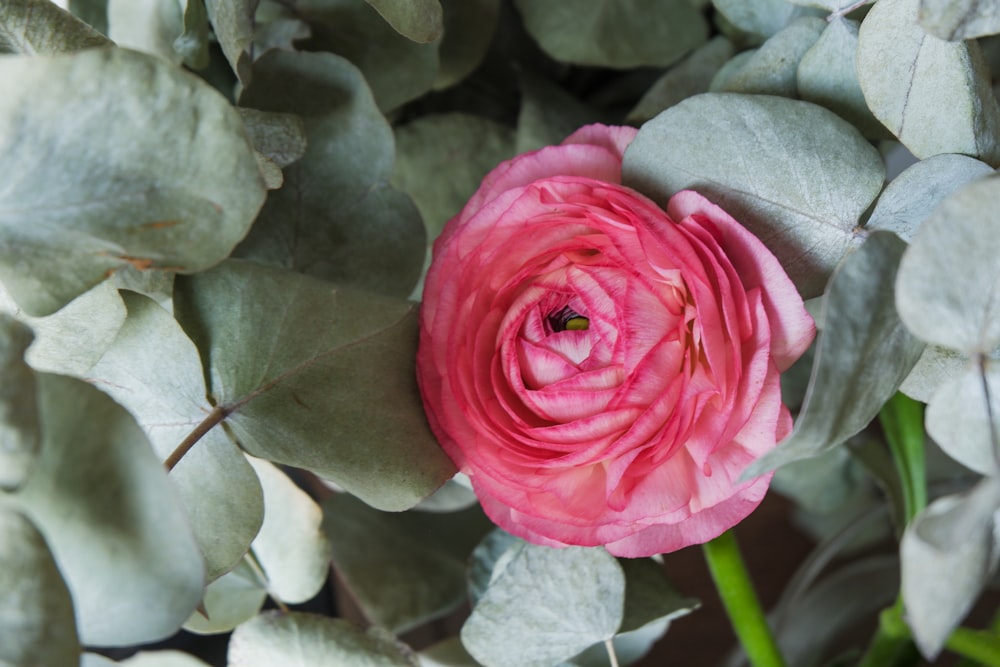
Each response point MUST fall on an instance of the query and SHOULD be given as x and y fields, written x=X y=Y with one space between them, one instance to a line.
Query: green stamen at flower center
x=568 y=319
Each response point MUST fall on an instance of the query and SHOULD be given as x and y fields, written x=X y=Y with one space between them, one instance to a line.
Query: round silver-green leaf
x=546 y=606
x=615 y=33
x=136 y=163
x=797 y=175
x=948 y=288
x=959 y=417
x=20 y=431
x=36 y=611
x=962 y=19
x=111 y=517
x=308 y=640
x=935 y=96
x=911 y=196
x=419 y=20
x=39 y=26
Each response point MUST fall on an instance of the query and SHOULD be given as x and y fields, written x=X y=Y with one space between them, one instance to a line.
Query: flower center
x=568 y=319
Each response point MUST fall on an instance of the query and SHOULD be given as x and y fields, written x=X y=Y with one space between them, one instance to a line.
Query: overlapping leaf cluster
x=213 y=212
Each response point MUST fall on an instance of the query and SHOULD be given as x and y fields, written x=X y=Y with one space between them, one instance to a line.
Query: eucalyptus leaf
x=546 y=606
x=402 y=569
x=937 y=365
x=20 y=431
x=483 y=563
x=964 y=19
x=154 y=370
x=280 y=33
x=687 y=78
x=279 y=136
x=94 y=12
x=170 y=182
x=760 y=146
x=959 y=417
x=396 y=68
x=629 y=647
x=833 y=606
x=957 y=535
x=307 y=640
x=455 y=495
x=911 y=196
x=615 y=33
x=193 y=43
x=835 y=7
x=111 y=517
x=650 y=596
x=948 y=280
x=290 y=548
x=442 y=160
x=96 y=660
x=419 y=20
x=548 y=113
x=469 y=26
x=864 y=353
x=772 y=69
x=761 y=18
x=162 y=659
x=233 y=24
x=72 y=339
x=336 y=217
x=304 y=371
x=36 y=611
x=38 y=26
x=150 y=26
x=827 y=75
x=933 y=95
x=233 y=598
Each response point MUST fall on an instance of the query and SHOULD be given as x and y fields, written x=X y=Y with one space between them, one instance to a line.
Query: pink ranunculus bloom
x=604 y=370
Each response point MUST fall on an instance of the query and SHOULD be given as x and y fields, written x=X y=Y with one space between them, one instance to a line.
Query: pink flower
x=603 y=370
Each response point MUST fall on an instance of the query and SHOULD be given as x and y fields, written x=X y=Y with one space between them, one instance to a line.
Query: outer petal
x=792 y=329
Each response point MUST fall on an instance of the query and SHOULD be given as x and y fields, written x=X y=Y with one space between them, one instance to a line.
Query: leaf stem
x=891 y=645
x=902 y=420
x=213 y=419
x=982 y=646
x=612 y=656
x=740 y=600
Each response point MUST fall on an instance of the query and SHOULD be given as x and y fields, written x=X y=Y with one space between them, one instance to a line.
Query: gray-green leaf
x=546 y=606
x=864 y=353
x=772 y=69
x=469 y=26
x=958 y=417
x=687 y=78
x=336 y=217
x=171 y=183
x=20 y=432
x=231 y=599
x=827 y=75
x=403 y=569
x=154 y=370
x=305 y=370
x=38 y=26
x=309 y=640
x=233 y=23
x=615 y=33
x=111 y=517
x=798 y=176
x=911 y=196
x=419 y=20
x=962 y=19
x=151 y=26
x=761 y=18
x=947 y=289
x=36 y=612
x=291 y=548
x=948 y=553
x=935 y=96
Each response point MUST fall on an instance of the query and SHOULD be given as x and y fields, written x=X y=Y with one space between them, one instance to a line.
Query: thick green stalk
x=740 y=600
x=902 y=420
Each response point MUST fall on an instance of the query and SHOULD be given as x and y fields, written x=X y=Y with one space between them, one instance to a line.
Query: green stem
x=891 y=645
x=982 y=646
x=902 y=420
x=738 y=597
